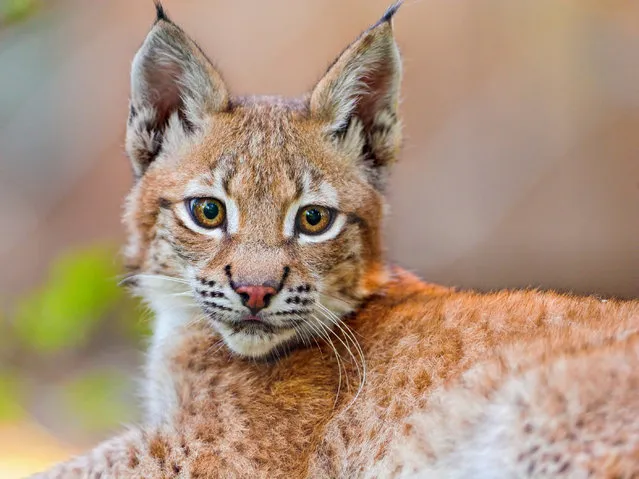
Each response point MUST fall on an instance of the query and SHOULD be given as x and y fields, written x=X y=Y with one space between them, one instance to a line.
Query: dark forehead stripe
x=225 y=182
x=225 y=169
x=305 y=170
x=164 y=204
x=267 y=160
x=355 y=219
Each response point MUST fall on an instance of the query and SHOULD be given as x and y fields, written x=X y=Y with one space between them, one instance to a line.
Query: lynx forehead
x=260 y=216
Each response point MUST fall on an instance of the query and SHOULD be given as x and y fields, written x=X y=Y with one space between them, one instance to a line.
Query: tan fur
x=384 y=375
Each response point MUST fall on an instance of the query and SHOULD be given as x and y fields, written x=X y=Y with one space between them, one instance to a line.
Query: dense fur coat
x=286 y=349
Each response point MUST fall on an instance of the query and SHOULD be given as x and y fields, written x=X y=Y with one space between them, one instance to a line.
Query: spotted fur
x=355 y=369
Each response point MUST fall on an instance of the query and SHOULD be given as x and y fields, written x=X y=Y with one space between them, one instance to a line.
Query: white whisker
x=155 y=276
x=349 y=334
x=183 y=293
x=346 y=346
x=320 y=329
x=335 y=298
x=219 y=343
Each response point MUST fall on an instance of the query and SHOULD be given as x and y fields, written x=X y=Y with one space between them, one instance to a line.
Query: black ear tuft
x=160 y=13
x=358 y=97
x=391 y=11
x=174 y=91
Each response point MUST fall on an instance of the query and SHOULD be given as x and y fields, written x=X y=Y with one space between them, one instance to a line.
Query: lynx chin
x=285 y=346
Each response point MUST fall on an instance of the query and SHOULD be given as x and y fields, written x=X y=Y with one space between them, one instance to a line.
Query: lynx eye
x=314 y=220
x=207 y=212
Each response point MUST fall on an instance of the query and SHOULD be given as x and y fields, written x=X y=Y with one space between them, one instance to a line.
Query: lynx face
x=260 y=217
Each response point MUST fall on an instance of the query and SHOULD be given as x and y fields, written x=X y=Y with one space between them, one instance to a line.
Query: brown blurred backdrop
x=521 y=158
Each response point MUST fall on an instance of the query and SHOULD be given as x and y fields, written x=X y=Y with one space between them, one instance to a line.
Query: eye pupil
x=314 y=220
x=207 y=212
x=313 y=216
x=211 y=210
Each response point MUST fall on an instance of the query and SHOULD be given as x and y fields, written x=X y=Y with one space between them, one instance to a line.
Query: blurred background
x=520 y=168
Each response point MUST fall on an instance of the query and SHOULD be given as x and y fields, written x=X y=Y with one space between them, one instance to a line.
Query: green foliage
x=64 y=315
x=81 y=289
x=13 y=11
x=10 y=395
x=96 y=400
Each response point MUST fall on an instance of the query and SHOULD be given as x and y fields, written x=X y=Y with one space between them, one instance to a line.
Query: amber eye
x=207 y=212
x=314 y=220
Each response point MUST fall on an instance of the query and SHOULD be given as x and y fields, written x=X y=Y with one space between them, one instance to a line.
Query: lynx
x=285 y=346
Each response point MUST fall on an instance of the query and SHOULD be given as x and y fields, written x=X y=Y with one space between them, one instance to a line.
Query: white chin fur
x=254 y=345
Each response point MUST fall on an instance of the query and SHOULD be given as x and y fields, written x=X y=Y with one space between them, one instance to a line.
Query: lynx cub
x=284 y=345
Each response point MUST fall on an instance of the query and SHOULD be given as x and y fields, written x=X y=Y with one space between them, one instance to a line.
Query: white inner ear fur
x=201 y=188
x=322 y=194
x=173 y=58
x=341 y=94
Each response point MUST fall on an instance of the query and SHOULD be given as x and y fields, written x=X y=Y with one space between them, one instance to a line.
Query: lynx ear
x=358 y=99
x=174 y=88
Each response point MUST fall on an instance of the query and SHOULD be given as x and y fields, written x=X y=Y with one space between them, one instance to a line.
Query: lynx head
x=260 y=217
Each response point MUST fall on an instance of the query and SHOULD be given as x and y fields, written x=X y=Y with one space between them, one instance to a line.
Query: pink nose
x=255 y=297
